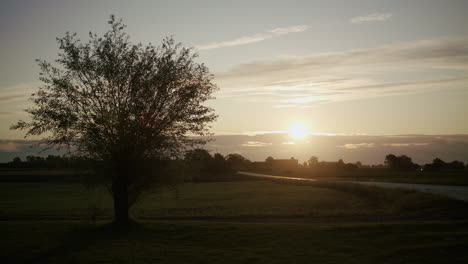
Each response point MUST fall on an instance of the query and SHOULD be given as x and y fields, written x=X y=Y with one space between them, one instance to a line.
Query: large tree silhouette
x=123 y=104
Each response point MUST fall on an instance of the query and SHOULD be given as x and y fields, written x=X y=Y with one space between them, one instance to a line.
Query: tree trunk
x=120 y=195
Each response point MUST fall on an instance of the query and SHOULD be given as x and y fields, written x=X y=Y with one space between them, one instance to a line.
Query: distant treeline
x=201 y=164
x=404 y=162
x=197 y=165
x=391 y=162
x=49 y=162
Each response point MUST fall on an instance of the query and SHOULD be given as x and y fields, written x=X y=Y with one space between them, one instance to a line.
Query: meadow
x=245 y=221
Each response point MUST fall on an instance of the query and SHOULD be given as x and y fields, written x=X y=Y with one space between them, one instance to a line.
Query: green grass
x=227 y=199
x=207 y=242
x=236 y=222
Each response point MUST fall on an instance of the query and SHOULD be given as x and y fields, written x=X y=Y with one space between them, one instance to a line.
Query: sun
x=298 y=131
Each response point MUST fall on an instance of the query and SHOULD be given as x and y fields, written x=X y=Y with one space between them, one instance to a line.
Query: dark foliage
x=125 y=105
x=49 y=162
x=402 y=162
x=440 y=165
x=201 y=166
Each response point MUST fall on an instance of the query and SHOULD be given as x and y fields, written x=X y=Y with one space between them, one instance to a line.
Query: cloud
x=10 y=113
x=17 y=92
x=253 y=38
x=374 y=17
x=255 y=144
x=359 y=145
x=287 y=30
x=404 y=144
x=321 y=78
x=369 y=149
x=24 y=89
x=11 y=97
x=9 y=147
x=22 y=148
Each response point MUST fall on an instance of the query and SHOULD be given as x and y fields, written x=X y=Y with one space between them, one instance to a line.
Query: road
x=456 y=192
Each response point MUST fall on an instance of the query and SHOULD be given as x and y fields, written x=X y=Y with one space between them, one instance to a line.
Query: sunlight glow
x=298 y=131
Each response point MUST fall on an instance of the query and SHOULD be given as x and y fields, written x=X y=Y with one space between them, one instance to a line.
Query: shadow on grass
x=85 y=236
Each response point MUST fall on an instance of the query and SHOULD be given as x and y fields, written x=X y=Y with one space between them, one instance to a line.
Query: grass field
x=233 y=222
x=381 y=175
x=209 y=242
x=226 y=199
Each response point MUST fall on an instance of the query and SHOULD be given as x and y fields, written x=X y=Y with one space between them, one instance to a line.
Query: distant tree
x=219 y=157
x=30 y=159
x=456 y=165
x=402 y=162
x=55 y=162
x=126 y=105
x=198 y=155
x=218 y=164
x=16 y=162
x=349 y=166
x=269 y=160
x=237 y=161
x=313 y=161
x=438 y=165
x=358 y=164
x=35 y=161
x=198 y=161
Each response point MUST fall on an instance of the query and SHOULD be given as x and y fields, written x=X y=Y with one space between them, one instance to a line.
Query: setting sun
x=298 y=131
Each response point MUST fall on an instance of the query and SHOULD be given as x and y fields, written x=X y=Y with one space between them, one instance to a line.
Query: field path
x=455 y=192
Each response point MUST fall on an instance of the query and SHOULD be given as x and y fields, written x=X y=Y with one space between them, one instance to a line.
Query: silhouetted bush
x=440 y=165
x=402 y=162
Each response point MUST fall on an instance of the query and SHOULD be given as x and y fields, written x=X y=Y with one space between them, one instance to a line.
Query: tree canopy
x=122 y=103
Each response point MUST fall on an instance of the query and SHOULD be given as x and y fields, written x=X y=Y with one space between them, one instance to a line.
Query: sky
x=357 y=68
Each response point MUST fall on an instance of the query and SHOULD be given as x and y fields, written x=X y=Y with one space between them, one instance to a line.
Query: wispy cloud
x=255 y=144
x=355 y=74
x=369 y=149
x=358 y=145
x=9 y=147
x=374 y=17
x=17 y=92
x=287 y=30
x=254 y=38
x=404 y=144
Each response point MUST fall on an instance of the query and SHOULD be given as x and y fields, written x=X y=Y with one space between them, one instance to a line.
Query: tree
x=198 y=160
x=269 y=160
x=237 y=161
x=438 y=165
x=402 y=162
x=125 y=105
x=218 y=164
x=16 y=162
x=313 y=161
